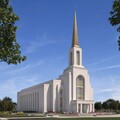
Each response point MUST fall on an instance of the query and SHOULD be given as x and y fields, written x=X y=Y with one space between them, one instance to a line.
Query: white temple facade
x=70 y=92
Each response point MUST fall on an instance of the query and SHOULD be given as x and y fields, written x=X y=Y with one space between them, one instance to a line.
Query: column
x=81 y=108
x=30 y=102
x=38 y=101
x=27 y=103
x=34 y=102
x=46 y=86
x=92 y=107
x=22 y=103
x=87 y=108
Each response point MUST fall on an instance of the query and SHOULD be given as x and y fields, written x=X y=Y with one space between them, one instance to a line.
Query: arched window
x=80 y=88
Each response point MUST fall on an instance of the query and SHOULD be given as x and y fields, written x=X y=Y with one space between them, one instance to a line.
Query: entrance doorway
x=85 y=108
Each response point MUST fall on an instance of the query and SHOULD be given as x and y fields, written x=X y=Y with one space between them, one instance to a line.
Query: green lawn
x=69 y=119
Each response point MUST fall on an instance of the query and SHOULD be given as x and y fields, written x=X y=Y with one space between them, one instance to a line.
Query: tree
x=111 y=104
x=119 y=106
x=115 y=105
x=108 y=105
x=9 y=48
x=0 y=105
x=115 y=17
x=105 y=105
x=98 y=106
x=14 y=106
x=7 y=104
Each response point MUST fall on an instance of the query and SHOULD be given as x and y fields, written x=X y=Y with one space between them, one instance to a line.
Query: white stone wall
x=41 y=98
x=66 y=85
x=88 y=89
x=28 y=99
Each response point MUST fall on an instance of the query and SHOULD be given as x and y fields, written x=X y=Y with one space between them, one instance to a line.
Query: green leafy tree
x=108 y=105
x=111 y=105
x=1 y=105
x=9 y=48
x=115 y=17
x=115 y=105
x=7 y=104
x=105 y=105
x=98 y=106
x=119 y=106
x=14 y=106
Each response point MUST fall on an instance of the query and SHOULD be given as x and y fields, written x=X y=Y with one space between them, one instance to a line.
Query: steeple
x=75 y=33
x=75 y=53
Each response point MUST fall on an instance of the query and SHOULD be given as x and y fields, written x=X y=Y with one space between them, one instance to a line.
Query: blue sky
x=45 y=35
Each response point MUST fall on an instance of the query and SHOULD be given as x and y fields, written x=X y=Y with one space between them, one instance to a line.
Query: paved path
x=81 y=116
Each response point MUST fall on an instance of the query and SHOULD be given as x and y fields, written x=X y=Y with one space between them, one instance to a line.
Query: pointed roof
x=75 y=33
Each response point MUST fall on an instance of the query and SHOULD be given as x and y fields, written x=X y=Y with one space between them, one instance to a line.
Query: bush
x=19 y=113
x=117 y=112
x=4 y=114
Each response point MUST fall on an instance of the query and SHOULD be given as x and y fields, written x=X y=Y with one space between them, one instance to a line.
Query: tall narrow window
x=78 y=57
x=80 y=88
x=70 y=58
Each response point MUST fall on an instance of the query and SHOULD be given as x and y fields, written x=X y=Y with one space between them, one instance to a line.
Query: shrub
x=19 y=113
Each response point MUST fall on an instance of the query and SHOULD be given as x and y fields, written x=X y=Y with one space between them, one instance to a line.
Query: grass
x=19 y=115
x=68 y=119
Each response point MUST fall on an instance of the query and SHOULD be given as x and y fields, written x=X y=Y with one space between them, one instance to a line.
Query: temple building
x=70 y=92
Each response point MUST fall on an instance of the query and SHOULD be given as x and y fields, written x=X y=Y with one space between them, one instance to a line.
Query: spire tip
x=75 y=32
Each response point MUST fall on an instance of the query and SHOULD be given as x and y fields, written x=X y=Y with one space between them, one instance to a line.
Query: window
x=80 y=88
x=78 y=57
x=70 y=58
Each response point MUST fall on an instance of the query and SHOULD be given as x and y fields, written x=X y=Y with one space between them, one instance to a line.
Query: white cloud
x=19 y=69
x=38 y=43
x=116 y=94
x=106 y=68
x=22 y=68
x=104 y=90
x=106 y=93
x=106 y=87
x=10 y=87
x=35 y=45
x=104 y=60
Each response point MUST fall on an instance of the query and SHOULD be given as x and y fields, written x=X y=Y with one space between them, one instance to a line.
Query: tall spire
x=75 y=33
